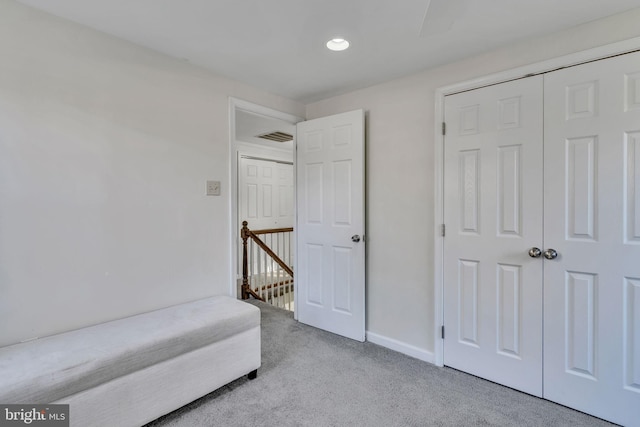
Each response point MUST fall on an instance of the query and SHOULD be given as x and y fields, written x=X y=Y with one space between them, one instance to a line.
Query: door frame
x=235 y=150
x=589 y=55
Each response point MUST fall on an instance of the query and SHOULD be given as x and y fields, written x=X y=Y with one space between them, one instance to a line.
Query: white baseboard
x=401 y=347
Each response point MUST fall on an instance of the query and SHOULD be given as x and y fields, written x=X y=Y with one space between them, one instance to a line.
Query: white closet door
x=592 y=220
x=285 y=192
x=266 y=193
x=493 y=212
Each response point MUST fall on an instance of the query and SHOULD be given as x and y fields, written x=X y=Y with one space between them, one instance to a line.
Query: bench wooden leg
x=253 y=374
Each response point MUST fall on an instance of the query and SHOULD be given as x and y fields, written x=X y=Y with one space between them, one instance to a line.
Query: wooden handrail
x=270 y=230
x=247 y=234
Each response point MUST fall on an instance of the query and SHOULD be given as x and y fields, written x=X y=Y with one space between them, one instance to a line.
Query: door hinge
x=442 y=334
x=442 y=230
x=444 y=128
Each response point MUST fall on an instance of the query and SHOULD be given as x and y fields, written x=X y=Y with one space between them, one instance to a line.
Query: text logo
x=34 y=415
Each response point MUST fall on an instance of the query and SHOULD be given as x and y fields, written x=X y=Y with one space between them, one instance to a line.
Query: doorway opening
x=262 y=153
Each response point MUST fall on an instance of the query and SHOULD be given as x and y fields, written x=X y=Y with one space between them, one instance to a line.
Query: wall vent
x=277 y=136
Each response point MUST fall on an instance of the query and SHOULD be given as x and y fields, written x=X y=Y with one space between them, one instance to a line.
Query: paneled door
x=330 y=275
x=588 y=262
x=493 y=211
x=266 y=193
x=592 y=224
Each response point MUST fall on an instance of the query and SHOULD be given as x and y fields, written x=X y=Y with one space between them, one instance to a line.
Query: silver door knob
x=355 y=238
x=550 y=254
x=535 y=252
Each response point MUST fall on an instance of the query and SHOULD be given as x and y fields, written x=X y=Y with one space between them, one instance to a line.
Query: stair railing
x=267 y=272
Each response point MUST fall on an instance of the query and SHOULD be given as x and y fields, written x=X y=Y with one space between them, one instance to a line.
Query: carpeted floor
x=314 y=378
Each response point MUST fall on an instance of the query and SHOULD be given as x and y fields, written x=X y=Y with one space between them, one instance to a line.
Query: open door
x=330 y=270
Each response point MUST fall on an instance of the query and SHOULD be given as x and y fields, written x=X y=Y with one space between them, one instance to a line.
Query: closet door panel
x=591 y=219
x=493 y=211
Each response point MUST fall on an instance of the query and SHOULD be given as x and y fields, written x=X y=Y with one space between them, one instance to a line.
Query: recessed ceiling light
x=337 y=44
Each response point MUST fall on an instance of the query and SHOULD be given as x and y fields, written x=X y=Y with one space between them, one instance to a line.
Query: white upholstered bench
x=130 y=371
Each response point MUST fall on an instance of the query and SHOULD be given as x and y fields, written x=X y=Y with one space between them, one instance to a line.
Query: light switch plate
x=213 y=188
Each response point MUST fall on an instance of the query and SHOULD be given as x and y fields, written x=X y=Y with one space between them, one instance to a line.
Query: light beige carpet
x=314 y=378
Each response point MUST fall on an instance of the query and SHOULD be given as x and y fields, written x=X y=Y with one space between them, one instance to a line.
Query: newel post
x=244 y=233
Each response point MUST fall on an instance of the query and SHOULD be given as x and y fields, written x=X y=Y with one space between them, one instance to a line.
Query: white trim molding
x=400 y=347
x=565 y=61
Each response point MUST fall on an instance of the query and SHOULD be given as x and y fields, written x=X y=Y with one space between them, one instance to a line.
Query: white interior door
x=493 y=211
x=330 y=261
x=591 y=248
x=592 y=220
x=266 y=193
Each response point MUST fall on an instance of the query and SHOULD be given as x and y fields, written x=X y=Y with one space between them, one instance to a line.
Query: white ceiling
x=278 y=45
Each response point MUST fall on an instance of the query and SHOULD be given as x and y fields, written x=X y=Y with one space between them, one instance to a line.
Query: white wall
x=105 y=148
x=400 y=164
